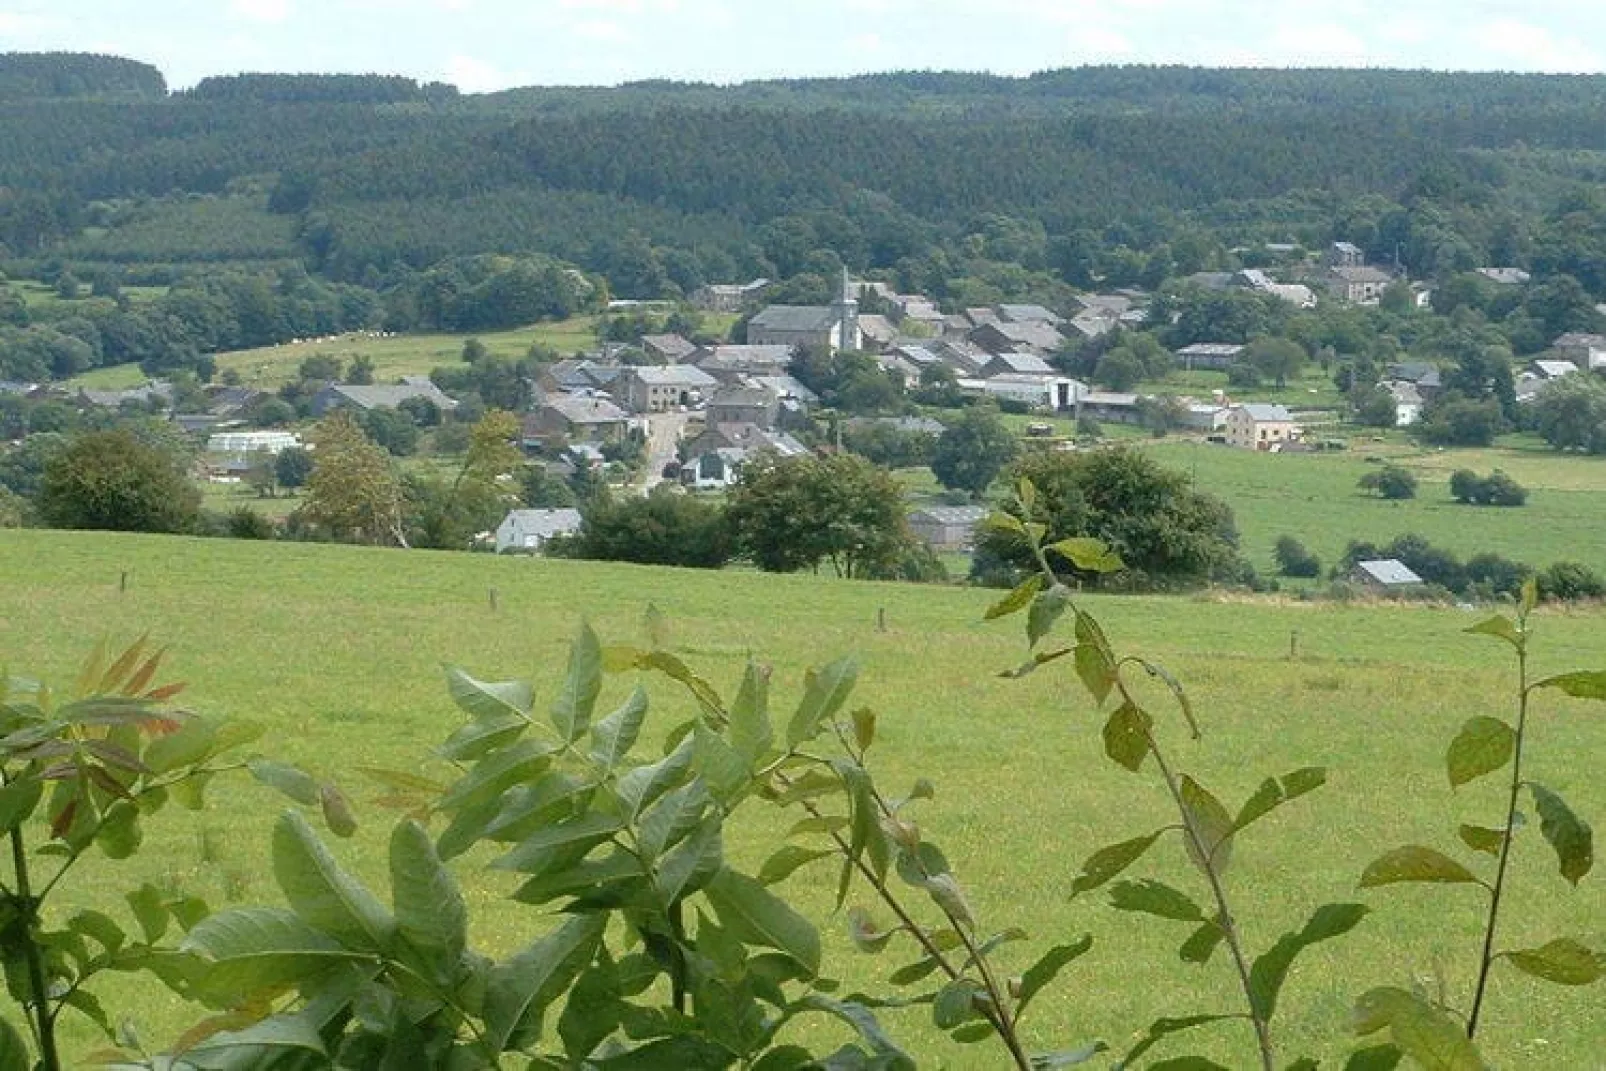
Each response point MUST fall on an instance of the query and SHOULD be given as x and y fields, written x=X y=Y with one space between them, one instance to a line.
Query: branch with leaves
x=1206 y=828
x=1425 y=1028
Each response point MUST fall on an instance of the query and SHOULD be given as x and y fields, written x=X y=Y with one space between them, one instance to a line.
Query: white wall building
x=528 y=529
x=243 y=443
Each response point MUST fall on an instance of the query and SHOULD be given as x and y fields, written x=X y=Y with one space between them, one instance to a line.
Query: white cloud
x=1529 y=47
x=270 y=11
x=474 y=75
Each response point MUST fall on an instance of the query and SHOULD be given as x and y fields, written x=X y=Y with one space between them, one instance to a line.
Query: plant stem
x=1487 y=960
x=28 y=911
x=1229 y=928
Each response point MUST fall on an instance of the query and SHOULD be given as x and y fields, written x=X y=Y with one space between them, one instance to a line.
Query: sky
x=485 y=45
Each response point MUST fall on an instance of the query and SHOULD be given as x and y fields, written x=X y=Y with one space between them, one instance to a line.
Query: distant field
x=337 y=650
x=1314 y=498
x=38 y=295
x=394 y=356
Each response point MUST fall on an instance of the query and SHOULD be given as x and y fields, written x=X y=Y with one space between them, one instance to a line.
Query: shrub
x=114 y=481
x=1391 y=482
x=1495 y=489
x=1566 y=581
x=1294 y=560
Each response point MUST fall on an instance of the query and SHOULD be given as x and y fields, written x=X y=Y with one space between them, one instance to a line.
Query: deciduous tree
x=353 y=490
x=114 y=480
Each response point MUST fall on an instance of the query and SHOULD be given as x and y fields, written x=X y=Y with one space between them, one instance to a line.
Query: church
x=833 y=327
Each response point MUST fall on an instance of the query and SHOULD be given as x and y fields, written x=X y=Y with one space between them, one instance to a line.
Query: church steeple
x=847 y=315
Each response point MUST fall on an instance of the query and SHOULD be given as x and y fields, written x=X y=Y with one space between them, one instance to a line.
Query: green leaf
x=17 y=802
x=279 y=1041
x=672 y=818
x=1581 y=685
x=475 y=740
x=1568 y=834
x=913 y=972
x=190 y=745
x=1483 y=746
x=719 y=764
x=824 y=693
x=289 y=780
x=1501 y=627
x=534 y=853
x=614 y=736
x=758 y=916
x=431 y=915
x=1210 y=846
x=1016 y=600
x=497 y=772
x=1271 y=968
x=1046 y=609
x=1186 y=1063
x=864 y=720
x=337 y=812
x=14 y=1054
x=1154 y=898
x=1046 y=969
x=639 y=788
x=692 y=863
x=1163 y=1028
x=571 y=710
x=1415 y=863
x=788 y=859
x=1274 y=792
x=1096 y=669
x=1427 y=1034
x=1482 y=839
x=864 y=824
x=955 y=1004
x=1126 y=735
x=750 y=731
x=1202 y=943
x=519 y=991
x=256 y=949
x=1563 y=961
x=323 y=895
x=1035 y=663
x=1109 y=861
x=887 y=1055
x=1088 y=555
x=150 y=911
x=485 y=701
x=119 y=835
x=1374 y=1058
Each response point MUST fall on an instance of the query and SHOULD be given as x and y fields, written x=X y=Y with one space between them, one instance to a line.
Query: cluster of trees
x=1495 y=489
x=1570 y=413
x=1480 y=576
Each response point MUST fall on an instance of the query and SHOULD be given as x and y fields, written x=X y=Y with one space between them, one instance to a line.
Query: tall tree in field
x=973 y=450
x=449 y=514
x=353 y=490
x=796 y=513
x=113 y=480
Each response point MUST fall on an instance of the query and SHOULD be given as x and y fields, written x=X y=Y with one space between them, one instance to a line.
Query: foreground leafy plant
x=1207 y=829
x=1428 y=1030
x=97 y=765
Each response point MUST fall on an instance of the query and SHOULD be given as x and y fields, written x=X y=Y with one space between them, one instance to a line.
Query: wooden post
x=492 y=594
x=122 y=583
x=881 y=619
x=1293 y=645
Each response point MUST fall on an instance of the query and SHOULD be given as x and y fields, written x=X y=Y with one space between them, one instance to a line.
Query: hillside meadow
x=338 y=652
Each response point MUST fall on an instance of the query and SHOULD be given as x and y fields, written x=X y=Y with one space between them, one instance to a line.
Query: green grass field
x=1314 y=498
x=337 y=650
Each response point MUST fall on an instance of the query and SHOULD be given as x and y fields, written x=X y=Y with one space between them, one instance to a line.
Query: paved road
x=663 y=437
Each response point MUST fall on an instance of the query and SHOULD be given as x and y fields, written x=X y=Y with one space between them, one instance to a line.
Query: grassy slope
x=337 y=649
x=1314 y=498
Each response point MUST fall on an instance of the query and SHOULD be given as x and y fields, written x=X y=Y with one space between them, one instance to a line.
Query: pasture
x=337 y=650
x=1314 y=498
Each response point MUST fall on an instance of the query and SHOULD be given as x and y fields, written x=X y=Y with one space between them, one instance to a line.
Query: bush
x=1391 y=482
x=112 y=480
x=1294 y=560
x=1496 y=489
x=1567 y=581
x=247 y=523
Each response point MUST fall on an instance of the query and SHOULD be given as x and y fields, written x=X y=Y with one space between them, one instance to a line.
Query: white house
x=243 y=443
x=529 y=529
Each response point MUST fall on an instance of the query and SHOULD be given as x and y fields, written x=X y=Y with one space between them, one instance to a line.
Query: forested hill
x=62 y=75
x=1113 y=175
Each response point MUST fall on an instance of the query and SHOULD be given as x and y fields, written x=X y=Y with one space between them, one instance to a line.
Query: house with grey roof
x=366 y=398
x=876 y=332
x=1583 y=349
x=1408 y=402
x=668 y=349
x=1029 y=314
x=662 y=388
x=1505 y=276
x=1360 y=285
x=786 y=388
x=1038 y=338
x=729 y=364
x=526 y=531
x=1108 y=407
x=743 y=405
x=154 y=392
x=1384 y=575
x=1260 y=426
x=728 y=297
x=1019 y=364
x=575 y=418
